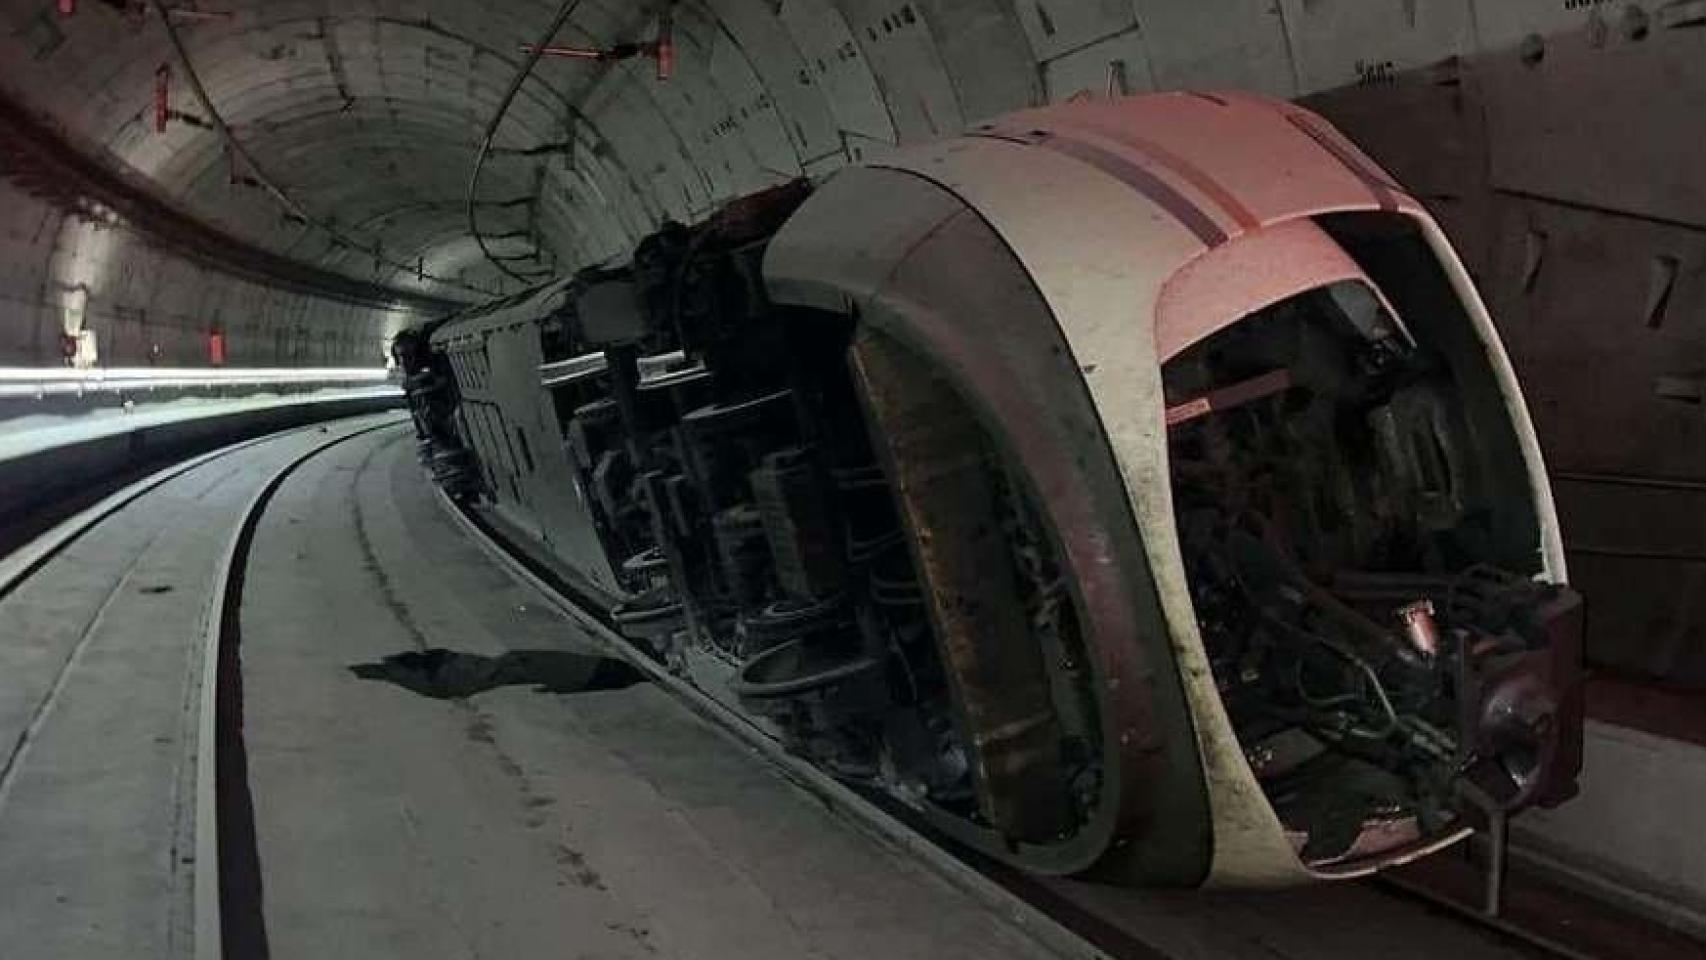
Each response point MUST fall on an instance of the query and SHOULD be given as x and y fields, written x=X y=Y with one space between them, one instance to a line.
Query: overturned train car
x=1130 y=488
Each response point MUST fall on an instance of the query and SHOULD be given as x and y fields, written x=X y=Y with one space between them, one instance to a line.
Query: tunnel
x=1097 y=336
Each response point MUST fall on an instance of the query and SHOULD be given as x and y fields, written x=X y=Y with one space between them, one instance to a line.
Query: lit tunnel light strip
x=56 y=381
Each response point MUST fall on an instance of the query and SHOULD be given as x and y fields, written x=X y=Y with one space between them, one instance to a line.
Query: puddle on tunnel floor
x=448 y=674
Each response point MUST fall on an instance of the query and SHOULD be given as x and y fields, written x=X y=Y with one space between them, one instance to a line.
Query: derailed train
x=1134 y=488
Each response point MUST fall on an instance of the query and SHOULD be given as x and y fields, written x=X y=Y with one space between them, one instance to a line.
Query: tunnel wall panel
x=1496 y=112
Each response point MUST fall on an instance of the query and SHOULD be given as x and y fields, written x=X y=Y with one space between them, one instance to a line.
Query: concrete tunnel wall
x=146 y=307
x=1557 y=141
x=367 y=114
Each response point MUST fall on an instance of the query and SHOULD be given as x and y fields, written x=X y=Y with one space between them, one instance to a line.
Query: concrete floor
x=100 y=658
x=507 y=794
x=514 y=822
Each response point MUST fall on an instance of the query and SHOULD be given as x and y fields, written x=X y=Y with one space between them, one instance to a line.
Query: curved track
x=451 y=810
x=443 y=766
x=106 y=709
x=205 y=766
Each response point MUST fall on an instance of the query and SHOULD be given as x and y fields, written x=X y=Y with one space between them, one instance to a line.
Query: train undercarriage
x=908 y=543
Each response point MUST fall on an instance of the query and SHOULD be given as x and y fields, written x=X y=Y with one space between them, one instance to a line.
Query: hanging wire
x=563 y=11
x=267 y=183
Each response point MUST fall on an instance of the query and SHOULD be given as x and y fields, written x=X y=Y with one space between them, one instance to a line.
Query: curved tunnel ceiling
x=367 y=115
x=1556 y=140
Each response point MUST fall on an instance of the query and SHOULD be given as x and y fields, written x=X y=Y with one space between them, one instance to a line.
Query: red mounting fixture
x=67 y=7
x=661 y=50
x=162 y=97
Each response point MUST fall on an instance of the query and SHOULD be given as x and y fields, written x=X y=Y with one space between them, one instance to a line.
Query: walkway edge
x=222 y=609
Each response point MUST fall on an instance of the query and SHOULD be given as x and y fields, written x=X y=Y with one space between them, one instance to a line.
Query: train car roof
x=525 y=307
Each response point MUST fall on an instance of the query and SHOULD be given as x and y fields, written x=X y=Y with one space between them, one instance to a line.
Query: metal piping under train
x=1132 y=488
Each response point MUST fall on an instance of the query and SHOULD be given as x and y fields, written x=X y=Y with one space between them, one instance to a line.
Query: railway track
x=1076 y=919
x=1067 y=918
x=229 y=920
x=224 y=903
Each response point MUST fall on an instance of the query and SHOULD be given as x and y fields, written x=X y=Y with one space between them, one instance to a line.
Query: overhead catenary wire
x=566 y=8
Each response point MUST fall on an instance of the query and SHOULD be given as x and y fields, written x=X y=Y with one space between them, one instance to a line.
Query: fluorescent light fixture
x=49 y=381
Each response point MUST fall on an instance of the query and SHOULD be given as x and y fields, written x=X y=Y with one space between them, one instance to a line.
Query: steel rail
x=1399 y=886
x=19 y=566
x=228 y=918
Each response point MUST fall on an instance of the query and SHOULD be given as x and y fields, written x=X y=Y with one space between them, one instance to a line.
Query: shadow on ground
x=447 y=674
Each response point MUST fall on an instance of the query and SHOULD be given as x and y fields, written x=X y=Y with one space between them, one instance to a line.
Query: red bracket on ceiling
x=67 y=7
x=162 y=97
x=661 y=50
